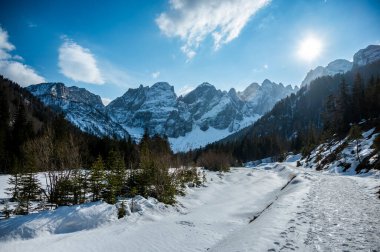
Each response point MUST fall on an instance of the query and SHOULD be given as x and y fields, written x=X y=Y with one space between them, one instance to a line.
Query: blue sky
x=108 y=47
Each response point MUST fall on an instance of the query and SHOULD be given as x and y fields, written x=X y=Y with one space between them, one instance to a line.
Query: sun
x=309 y=48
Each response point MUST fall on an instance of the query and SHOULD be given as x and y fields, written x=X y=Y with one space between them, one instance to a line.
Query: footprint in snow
x=186 y=223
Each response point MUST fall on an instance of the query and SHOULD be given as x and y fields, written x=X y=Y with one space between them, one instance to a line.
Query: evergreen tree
x=116 y=177
x=14 y=182
x=97 y=177
x=30 y=189
x=4 y=131
x=358 y=101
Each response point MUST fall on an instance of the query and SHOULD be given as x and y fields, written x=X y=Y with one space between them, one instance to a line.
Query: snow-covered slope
x=155 y=108
x=273 y=207
x=203 y=115
x=338 y=66
x=367 y=55
x=81 y=107
x=344 y=156
x=261 y=98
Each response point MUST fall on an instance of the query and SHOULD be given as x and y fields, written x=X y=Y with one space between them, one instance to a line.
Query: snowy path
x=343 y=216
x=319 y=212
x=315 y=212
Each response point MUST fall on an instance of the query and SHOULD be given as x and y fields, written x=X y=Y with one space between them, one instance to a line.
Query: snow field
x=296 y=209
x=202 y=218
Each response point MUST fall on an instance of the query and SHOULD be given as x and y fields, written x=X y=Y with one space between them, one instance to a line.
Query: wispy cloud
x=78 y=63
x=185 y=90
x=155 y=75
x=106 y=100
x=194 y=20
x=31 y=25
x=260 y=68
x=11 y=68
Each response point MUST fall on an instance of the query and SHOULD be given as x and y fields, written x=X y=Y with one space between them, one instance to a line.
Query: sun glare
x=309 y=48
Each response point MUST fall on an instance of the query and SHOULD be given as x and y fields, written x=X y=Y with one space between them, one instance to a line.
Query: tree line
x=51 y=161
x=325 y=109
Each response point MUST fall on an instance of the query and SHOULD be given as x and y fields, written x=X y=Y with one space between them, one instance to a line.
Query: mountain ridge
x=340 y=66
x=159 y=109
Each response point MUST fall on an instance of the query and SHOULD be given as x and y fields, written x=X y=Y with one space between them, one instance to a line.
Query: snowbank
x=63 y=220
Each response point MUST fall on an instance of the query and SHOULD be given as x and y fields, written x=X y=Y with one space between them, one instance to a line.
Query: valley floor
x=276 y=207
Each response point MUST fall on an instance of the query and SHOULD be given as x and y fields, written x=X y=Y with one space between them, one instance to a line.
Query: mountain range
x=202 y=116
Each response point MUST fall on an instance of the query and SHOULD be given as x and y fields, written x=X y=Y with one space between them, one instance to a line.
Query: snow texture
x=272 y=207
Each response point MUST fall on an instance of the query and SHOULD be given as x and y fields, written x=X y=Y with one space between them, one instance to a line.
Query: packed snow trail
x=314 y=212
x=319 y=212
x=343 y=216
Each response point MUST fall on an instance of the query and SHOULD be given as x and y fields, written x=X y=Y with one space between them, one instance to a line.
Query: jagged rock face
x=339 y=66
x=209 y=107
x=367 y=55
x=154 y=108
x=158 y=109
x=81 y=107
x=261 y=99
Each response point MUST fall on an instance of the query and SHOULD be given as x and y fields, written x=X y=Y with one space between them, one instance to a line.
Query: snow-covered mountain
x=367 y=55
x=155 y=108
x=204 y=115
x=261 y=98
x=338 y=66
x=363 y=57
x=83 y=108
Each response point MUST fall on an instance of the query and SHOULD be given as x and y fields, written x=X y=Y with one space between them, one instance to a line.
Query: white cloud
x=20 y=73
x=4 y=55
x=106 y=100
x=155 y=75
x=78 y=63
x=4 y=43
x=260 y=68
x=194 y=20
x=11 y=68
x=185 y=90
x=114 y=74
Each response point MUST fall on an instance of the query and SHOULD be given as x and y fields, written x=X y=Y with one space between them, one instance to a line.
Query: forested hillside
x=76 y=164
x=327 y=108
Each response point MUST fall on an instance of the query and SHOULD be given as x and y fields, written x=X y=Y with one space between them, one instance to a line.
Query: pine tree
x=343 y=115
x=4 y=132
x=30 y=189
x=116 y=177
x=14 y=182
x=358 y=101
x=97 y=177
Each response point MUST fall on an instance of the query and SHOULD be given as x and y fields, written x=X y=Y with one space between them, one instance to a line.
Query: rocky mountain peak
x=267 y=83
x=339 y=66
x=367 y=55
x=83 y=108
x=160 y=110
x=70 y=94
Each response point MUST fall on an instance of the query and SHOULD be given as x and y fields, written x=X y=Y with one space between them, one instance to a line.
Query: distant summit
x=363 y=57
x=367 y=55
x=338 y=66
x=81 y=107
